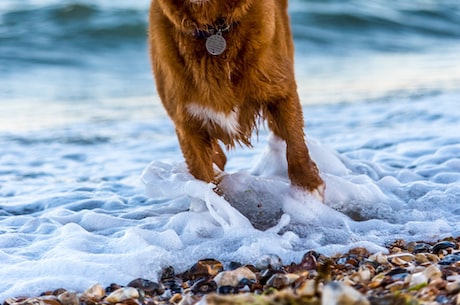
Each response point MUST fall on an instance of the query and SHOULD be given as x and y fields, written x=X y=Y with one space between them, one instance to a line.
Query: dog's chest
x=210 y=118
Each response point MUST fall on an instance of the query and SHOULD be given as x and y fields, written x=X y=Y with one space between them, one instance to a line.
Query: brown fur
x=254 y=76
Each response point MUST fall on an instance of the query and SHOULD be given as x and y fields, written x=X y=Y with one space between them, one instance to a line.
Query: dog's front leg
x=197 y=148
x=285 y=119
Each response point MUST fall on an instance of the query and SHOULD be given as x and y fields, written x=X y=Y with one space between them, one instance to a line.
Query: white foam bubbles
x=87 y=220
x=367 y=203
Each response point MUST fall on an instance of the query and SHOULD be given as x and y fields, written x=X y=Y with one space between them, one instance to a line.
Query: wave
x=73 y=22
x=376 y=24
x=380 y=25
x=49 y=34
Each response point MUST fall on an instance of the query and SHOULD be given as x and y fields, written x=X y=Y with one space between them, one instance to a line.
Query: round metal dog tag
x=216 y=44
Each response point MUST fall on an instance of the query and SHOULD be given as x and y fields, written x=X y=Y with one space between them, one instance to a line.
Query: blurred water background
x=71 y=57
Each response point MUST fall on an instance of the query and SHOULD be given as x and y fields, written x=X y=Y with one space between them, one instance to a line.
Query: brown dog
x=219 y=66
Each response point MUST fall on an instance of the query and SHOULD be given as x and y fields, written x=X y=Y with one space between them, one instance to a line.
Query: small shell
x=122 y=294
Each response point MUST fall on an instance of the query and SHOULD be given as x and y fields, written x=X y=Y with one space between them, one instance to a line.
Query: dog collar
x=213 y=34
x=212 y=30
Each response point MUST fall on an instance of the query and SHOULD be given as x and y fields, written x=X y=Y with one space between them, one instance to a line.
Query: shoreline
x=411 y=273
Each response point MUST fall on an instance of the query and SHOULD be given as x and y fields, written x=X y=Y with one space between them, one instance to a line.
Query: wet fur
x=252 y=79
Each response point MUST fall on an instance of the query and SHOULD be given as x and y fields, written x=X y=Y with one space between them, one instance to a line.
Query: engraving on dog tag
x=216 y=44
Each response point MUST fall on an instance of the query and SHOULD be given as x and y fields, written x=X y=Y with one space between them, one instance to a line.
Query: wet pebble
x=421 y=248
x=204 y=268
x=450 y=259
x=443 y=245
x=233 y=278
x=93 y=294
x=68 y=298
x=170 y=281
x=271 y=261
x=280 y=280
x=204 y=286
x=149 y=287
x=339 y=293
x=122 y=294
x=308 y=288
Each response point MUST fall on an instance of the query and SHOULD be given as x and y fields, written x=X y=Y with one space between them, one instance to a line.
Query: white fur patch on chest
x=228 y=122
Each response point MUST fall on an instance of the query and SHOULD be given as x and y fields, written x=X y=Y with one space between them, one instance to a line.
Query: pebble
x=149 y=287
x=281 y=280
x=308 y=288
x=68 y=298
x=206 y=267
x=336 y=293
x=450 y=259
x=122 y=294
x=93 y=294
x=379 y=258
x=233 y=278
x=271 y=261
x=443 y=245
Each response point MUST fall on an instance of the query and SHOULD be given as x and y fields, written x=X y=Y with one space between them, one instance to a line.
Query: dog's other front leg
x=285 y=119
x=197 y=148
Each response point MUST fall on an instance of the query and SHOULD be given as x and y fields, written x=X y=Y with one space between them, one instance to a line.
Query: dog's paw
x=319 y=192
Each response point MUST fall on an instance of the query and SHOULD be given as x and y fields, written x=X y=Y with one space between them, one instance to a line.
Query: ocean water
x=93 y=187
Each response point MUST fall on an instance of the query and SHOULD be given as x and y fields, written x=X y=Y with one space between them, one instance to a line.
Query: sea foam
x=73 y=214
